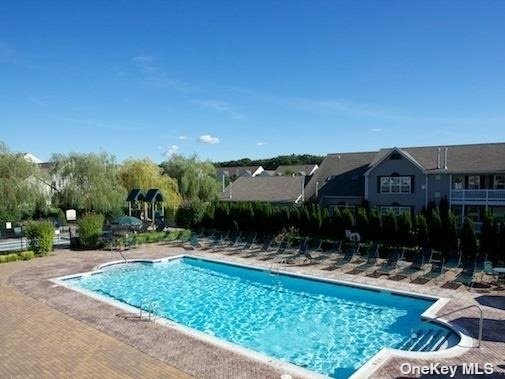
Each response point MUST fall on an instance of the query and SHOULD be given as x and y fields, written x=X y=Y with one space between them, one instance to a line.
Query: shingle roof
x=267 y=173
x=489 y=157
x=236 y=171
x=306 y=169
x=153 y=195
x=135 y=195
x=341 y=174
x=285 y=189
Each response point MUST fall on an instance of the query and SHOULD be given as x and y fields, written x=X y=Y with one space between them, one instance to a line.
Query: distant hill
x=273 y=163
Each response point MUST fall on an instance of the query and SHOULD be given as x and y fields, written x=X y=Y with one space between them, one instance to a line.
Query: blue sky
x=232 y=79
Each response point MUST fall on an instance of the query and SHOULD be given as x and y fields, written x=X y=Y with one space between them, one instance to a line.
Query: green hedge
x=23 y=256
x=90 y=229
x=40 y=235
x=190 y=214
x=26 y=255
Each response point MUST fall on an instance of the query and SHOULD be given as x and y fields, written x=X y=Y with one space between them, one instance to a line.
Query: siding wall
x=438 y=187
x=402 y=167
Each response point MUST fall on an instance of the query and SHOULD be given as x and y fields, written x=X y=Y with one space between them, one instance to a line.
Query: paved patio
x=47 y=330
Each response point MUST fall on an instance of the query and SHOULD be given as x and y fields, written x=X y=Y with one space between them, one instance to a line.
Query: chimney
x=445 y=158
x=439 y=150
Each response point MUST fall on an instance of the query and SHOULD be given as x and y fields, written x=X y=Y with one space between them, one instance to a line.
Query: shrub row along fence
x=436 y=227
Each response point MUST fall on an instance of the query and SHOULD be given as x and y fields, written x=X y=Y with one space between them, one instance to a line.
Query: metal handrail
x=122 y=256
x=481 y=319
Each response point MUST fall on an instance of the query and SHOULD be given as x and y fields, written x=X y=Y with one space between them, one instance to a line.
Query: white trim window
x=499 y=182
x=397 y=210
x=396 y=184
x=474 y=182
x=458 y=182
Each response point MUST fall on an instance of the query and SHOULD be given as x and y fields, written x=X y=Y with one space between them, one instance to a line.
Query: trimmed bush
x=11 y=257
x=435 y=230
x=190 y=214
x=421 y=230
x=347 y=219
x=404 y=222
x=500 y=256
x=26 y=255
x=90 y=229
x=3 y=258
x=362 y=224
x=390 y=229
x=488 y=237
x=40 y=235
x=374 y=226
x=468 y=240
x=450 y=234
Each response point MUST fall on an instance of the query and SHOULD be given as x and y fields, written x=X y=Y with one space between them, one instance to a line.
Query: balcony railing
x=489 y=196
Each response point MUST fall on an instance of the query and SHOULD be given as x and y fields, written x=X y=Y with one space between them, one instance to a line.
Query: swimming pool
x=328 y=328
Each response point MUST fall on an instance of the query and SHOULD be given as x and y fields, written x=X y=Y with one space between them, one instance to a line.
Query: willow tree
x=145 y=174
x=196 y=179
x=21 y=189
x=88 y=182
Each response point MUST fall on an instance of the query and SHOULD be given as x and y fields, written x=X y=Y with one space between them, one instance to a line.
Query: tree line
x=273 y=163
x=96 y=183
x=435 y=227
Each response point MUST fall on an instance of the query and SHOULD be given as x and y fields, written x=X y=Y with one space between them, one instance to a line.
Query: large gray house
x=472 y=177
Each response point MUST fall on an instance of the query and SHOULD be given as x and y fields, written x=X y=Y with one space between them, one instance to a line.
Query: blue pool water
x=327 y=328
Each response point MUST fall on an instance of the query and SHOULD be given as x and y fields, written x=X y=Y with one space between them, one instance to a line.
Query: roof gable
x=153 y=195
x=341 y=173
x=386 y=153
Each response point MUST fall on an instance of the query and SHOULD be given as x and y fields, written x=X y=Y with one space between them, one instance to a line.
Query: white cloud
x=261 y=143
x=182 y=138
x=152 y=74
x=219 y=106
x=172 y=150
x=208 y=139
x=376 y=130
x=144 y=62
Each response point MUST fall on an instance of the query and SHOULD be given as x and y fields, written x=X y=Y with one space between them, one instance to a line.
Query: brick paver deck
x=129 y=341
x=37 y=341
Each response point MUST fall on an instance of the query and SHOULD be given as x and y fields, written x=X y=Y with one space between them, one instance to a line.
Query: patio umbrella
x=127 y=221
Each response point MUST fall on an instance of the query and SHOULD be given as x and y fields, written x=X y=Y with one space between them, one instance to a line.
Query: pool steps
x=427 y=340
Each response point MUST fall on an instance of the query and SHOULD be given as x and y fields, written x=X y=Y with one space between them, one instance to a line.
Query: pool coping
x=365 y=371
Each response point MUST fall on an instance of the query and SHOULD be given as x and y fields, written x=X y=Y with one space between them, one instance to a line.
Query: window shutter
x=378 y=184
x=412 y=183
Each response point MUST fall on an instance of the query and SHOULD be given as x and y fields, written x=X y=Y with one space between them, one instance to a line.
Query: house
x=471 y=177
x=274 y=189
x=267 y=173
x=42 y=180
x=237 y=172
x=304 y=170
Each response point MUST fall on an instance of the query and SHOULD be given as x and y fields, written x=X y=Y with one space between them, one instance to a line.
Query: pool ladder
x=151 y=307
x=275 y=269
